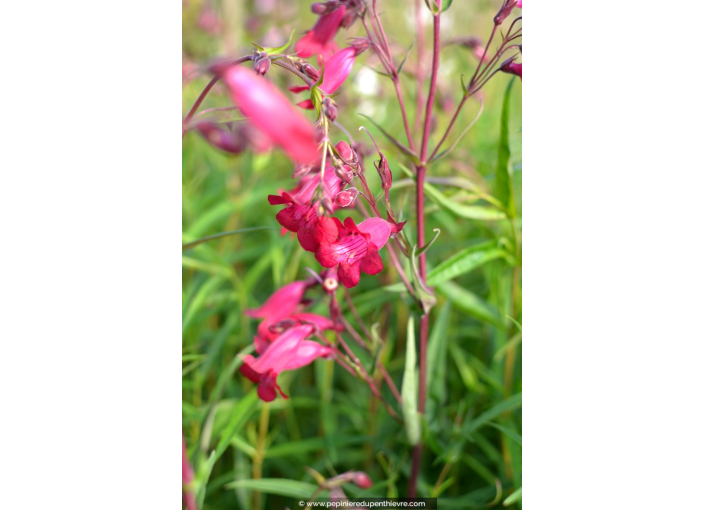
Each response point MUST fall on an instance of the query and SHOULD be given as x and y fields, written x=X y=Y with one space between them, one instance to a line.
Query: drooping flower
x=354 y=247
x=289 y=352
x=269 y=110
x=337 y=69
x=281 y=303
x=320 y=40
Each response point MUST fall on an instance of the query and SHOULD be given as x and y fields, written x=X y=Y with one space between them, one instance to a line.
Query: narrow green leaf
x=240 y=414
x=469 y=302
x=192 y=244
x=409 y=388
x=437 y=354
x=506 y=405
x=473 y=212
x=446 y=4
x=400 y=66
x=465 y=261
x=503 y=188
x=464 y=132
x=408 y=152
x=512 y=343
x=514 y=498
x=280 y=49
x=279 y=486
x=509 y=433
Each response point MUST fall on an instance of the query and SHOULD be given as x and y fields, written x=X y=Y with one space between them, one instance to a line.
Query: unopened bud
x=225 y=140
x=349 y=19
x=310 y=71
x=318 y=8
x=384 y=172
x=346 y=152
x=262 y=65
x=361 y=44
x=346 y=197
x=329 y=109
x=344 y=175
x=362 y=480
x=505 y=11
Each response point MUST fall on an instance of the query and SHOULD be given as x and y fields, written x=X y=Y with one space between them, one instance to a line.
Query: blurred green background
x=331 y=423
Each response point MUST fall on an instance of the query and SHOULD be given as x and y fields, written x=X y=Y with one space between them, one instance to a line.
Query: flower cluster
x=281 y=339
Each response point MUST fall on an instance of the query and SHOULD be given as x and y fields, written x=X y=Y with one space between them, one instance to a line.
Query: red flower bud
x=262 y=65
x=329 y=109
x=346 y=152
x=362 y=480
x=225 y=140
x=310 y=71
x=510 y=67
x=505 y=10
x=384 y=172
x=343 y=174
x=346 y=198
x=318 y=8
x=361 y=44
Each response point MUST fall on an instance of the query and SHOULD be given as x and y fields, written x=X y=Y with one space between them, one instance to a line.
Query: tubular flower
x=269 y=110
x=289 y=352
x=320 y=40
x=336 y=71
x=281 y=303
x=354 y=247
x=300 y=216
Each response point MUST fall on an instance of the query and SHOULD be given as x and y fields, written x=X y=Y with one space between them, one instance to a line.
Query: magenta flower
x=289 y=352
x=337 y=69
x=300 y=216
x=269 y=110
x=281 y=303
x=320 y=40
x=354 y=247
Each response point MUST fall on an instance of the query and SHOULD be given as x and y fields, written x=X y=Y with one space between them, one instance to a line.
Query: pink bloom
x=354 y=247
x=269 y=110
x=189 y=497
x=336 y=71
x=281 y=303
x=269 y=330
x=288 y=352
x=300 y=216
x=321 y=39
x=362 y=480
x=519 y=4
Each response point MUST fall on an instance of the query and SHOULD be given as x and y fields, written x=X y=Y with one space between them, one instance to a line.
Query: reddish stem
x=420 y=211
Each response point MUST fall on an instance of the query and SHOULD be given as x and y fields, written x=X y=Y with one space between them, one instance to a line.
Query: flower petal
x=372 y=263
x=378 y=229
x=349 y=274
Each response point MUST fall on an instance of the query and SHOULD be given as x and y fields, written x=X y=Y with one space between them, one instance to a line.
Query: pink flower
x=289 y=352
x=301 y=216
x=281 y=303
x=354 y=247
x=336 y=71
x=519 y=4
x=269 y=110
x=321 y=39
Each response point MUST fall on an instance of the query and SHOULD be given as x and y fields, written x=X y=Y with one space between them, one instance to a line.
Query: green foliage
x=332 y=423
